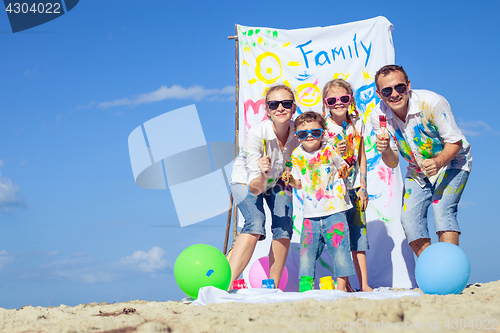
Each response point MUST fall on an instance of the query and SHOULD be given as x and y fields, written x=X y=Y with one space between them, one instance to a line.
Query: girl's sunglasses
x=273 y=105
x=330 y=101
x=315 y=133
x=400 y=88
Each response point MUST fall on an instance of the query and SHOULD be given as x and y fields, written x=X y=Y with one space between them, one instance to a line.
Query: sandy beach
x=476 y=309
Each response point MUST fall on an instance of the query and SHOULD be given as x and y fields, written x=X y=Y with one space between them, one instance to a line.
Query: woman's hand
x=265 y=165
x=363 y=199
x=342 y=147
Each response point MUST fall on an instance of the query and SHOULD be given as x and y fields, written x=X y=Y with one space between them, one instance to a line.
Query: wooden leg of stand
x=235 y=222
x=235 y=233
x=228 y=225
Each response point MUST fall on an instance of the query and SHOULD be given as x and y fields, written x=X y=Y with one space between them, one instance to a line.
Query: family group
x=324 y=156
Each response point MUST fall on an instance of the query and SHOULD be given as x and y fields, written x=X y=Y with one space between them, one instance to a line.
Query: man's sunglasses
x=330 y=101
x=315 y=133
x=273 y=105
x=400 y=88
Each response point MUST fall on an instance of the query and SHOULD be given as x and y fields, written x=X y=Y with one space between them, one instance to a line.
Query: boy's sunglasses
x=273 y=105
x=315 y=133
x=400 y=88
x=330 y=101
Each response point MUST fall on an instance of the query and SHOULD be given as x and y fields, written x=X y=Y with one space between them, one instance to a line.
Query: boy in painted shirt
x=317 y=170
x=420 y=124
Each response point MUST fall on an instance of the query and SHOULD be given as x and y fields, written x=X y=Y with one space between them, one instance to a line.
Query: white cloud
x=5 y=258
x=83 y=275
x=473 y=128
x=94 y=277
x=30 y=72
x=2 y=163
x=53 y=253
x=176 y=91
x=466 y=204
x=89 y=106
x=9 y=194
x=146 y=262
x=82 y=268
x=68 y=263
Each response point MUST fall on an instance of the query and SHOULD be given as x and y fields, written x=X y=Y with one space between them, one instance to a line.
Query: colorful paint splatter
x=323 y=192
x=428 y=127
x=335 y=234
x=307 y=237
x=352 y=133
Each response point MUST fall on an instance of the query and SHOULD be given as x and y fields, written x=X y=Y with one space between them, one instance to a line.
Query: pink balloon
x=260 y=271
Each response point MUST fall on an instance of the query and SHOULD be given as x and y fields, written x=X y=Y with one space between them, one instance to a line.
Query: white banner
x=305 y=60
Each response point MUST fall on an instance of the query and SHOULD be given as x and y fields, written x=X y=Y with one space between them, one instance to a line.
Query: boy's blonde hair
x=308 y=117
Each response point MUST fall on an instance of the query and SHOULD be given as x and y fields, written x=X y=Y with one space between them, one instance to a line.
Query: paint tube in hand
x=383 y=123
x=265 y=152
x=344 y=136
x=287 y=177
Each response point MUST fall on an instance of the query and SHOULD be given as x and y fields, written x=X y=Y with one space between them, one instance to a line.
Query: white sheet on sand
x=208 y=295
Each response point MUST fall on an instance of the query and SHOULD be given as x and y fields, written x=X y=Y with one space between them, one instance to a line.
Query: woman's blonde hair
x=278 y=87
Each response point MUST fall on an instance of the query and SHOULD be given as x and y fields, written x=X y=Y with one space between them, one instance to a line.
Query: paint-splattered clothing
x=444 y=196
x=353 y=135
x=429 y=125
x=246 y=166
x=331 y=231
x=324 y=193
x=356 y=217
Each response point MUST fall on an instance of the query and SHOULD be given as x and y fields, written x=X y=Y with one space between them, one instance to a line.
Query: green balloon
x=200 y=266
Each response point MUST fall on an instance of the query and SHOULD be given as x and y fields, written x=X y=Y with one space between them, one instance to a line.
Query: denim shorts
x=333 y=231
x=444 y=196
x=356 y=219
x=279 y=201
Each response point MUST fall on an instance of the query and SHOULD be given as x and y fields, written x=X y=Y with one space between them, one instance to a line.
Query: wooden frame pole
x=232 y=206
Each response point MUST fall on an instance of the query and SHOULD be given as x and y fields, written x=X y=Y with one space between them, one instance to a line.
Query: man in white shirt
x=420 y=124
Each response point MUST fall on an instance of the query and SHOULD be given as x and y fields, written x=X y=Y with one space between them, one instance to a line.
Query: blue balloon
x=442 y=269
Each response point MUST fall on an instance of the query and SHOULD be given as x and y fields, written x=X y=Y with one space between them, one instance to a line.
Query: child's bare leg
x=342 y=283
x=241 y=254
x=277 y=258
x=359 y=259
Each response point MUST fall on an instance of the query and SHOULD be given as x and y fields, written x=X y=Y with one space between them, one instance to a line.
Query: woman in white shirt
x=257 y=177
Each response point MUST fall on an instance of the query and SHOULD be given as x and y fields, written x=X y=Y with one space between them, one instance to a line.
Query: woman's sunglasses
x=273 y=105
x=330 y=101
x=400 y=88
x=315 y=133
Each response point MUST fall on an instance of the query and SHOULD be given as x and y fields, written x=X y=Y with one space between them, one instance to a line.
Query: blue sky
x=76 y=228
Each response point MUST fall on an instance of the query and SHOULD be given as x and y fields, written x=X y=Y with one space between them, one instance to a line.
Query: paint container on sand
x=306 y=283
x=326 y=283
x=239 y=284
x=268 y=284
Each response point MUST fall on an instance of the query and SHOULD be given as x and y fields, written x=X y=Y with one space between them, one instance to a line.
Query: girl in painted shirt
x=256 y=178
x=345 y=131
x=317 y=170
